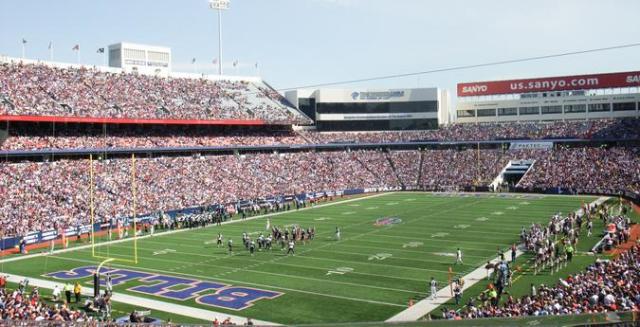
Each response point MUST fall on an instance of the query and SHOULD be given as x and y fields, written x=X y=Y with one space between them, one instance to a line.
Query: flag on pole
x=100 y=50
x=235 y=63
x=215 y=61
x=76 y=47
x=24 y=41
x=50 y=45
x=256 y=65
x=193 y=61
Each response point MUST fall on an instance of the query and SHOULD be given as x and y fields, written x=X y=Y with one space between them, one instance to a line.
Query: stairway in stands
x=513 y=172
x=419 y=181
x=395 y=172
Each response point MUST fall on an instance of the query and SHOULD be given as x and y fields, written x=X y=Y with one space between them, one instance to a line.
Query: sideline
x=443 y=296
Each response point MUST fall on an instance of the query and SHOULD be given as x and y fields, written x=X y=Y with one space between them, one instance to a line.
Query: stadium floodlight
x=219 y=5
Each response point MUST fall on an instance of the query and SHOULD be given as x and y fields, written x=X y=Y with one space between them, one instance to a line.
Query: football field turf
x=391 y=245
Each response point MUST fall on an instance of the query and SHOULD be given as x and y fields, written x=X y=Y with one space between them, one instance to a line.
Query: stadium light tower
x=219 y=5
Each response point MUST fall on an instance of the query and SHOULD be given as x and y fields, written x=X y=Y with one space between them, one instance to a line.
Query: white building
x=146 y=59
x=373 y=109
x=613 y=95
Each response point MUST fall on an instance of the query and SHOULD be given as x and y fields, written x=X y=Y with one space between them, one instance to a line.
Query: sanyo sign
x=475 y=88
x=633 y=79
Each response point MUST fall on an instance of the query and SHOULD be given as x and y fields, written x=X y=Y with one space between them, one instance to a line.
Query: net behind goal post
x=123 y=235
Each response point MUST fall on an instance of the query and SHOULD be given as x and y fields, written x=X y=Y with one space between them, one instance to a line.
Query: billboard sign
x=548 y=84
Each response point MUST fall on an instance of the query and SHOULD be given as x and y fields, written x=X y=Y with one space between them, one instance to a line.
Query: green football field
x=368 y=275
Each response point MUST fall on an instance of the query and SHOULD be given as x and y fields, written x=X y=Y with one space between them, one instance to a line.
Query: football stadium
x=142 y=185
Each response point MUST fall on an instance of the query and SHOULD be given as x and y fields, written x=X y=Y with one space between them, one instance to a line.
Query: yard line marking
x=406 y=251
x=81 y=247
x=279 y=258
x=237 y=269
x=208 y=278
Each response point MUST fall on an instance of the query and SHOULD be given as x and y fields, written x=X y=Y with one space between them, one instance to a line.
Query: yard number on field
x=380 y=256
x=165 y=251
x=339 y=271
x=412 y=244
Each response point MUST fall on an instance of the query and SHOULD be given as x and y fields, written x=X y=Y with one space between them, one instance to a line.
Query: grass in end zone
x=369 y=275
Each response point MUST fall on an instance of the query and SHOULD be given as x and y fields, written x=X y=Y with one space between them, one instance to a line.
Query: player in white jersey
x=291 y=248
x=433 y=284
x=337 y=233
x=459 y=256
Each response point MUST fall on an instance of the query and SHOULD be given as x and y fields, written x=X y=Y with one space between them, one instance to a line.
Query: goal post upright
x=108 y=258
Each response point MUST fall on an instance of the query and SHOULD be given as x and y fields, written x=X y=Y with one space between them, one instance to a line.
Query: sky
x=305 y=42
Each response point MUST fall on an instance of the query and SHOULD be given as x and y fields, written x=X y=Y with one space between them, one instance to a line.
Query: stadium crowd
x=46 y=195
x=605 y=286
x=77 y=136
x=583 y=129
x=26 y=137
x=22 y=305
x=44 y=90
x=587 y=169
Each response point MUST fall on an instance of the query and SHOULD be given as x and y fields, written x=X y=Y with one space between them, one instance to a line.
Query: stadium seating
x=605 y=286
x=619 y=129
x=44 y=90
x=43 y=195
x=78 y=136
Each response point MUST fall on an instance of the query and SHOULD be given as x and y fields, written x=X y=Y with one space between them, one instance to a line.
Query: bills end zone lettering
x=177 y=288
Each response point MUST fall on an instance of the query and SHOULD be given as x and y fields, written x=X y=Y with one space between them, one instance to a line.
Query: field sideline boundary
x=443 y=295
x=44 y=253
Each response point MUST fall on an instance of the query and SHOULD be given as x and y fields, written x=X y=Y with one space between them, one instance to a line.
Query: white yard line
x=261 y=262
x=427 y=305
x=148 y=303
